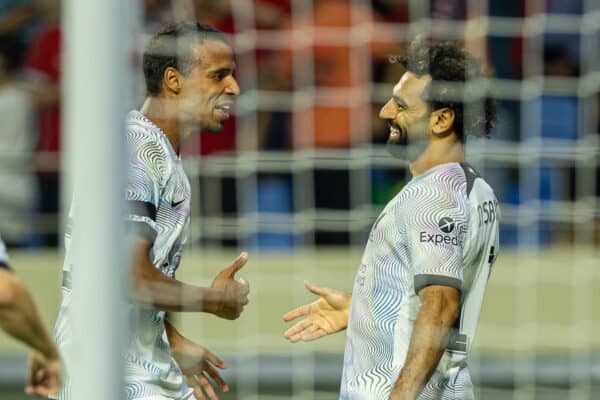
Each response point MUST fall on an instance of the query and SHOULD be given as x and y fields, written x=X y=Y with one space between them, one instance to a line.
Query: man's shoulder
x=446 y=180
x=141 y=133
x=147 y=148
x=138 y=125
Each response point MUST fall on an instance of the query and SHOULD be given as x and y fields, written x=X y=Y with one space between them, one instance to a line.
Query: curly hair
x=454 y=74
x=173 y=47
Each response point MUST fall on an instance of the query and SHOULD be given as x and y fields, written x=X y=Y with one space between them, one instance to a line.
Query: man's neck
x=440 y=151
x=163 y=115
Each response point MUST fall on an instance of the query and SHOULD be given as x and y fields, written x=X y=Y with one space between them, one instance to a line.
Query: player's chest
x=175 y=199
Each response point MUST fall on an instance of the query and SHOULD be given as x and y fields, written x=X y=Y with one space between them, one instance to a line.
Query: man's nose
x=388 y=111
x=232 y=87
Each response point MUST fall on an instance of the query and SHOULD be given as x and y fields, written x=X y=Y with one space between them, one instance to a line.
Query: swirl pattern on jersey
x=158 y=191
x=419 y=238
x=3 y=256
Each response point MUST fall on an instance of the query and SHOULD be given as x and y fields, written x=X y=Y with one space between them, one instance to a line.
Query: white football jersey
x=441 y=229
x=158 y=196
x=3 y=256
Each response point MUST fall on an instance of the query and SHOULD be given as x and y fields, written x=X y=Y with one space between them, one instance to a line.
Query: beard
x=406 y=147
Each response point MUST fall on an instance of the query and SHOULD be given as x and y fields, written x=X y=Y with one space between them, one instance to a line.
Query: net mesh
x=301 y=173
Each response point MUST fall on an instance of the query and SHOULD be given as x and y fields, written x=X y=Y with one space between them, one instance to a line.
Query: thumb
x=237 y=264
x=215 y=360
x=319 y=291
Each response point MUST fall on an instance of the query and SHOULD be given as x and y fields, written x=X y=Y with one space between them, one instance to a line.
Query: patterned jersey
x=158 y=197
x=441 y=229
x=3 y=256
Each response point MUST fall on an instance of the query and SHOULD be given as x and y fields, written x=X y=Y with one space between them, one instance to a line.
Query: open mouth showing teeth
x=394 y=129
x=224 y=110
x=223 y=107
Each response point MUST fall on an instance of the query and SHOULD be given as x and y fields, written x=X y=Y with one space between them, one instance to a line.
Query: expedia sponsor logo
x=447 y=226
x=438 y=238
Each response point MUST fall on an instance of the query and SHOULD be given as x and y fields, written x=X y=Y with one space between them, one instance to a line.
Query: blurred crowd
x=341 y=82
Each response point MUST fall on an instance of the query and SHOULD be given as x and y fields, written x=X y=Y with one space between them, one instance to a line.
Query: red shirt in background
x=43 y=60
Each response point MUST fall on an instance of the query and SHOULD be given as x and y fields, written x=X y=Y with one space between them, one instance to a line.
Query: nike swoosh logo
x=173 y=204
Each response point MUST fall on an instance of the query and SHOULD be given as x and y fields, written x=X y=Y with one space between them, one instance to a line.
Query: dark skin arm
x=439 y=309
x=226 y=297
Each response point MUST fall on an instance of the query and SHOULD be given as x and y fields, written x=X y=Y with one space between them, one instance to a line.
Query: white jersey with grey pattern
x=441 y=229
x=3 y=256
x=158 y=200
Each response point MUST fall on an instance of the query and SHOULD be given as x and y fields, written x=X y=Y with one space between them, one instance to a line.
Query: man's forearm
x=168 y=294
x=20 y=319
x=426 y=348
x=172 y=334
x=154 y=288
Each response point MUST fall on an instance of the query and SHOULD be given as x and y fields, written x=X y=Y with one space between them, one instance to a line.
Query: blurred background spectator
x=17 y=135
x=315 y=65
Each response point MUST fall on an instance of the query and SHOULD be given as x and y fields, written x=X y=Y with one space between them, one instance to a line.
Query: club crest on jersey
x=447 y=226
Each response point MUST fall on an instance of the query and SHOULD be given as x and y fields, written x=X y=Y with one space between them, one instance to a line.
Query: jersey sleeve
x=3 y=257
x=145 y=180
x=436 y=229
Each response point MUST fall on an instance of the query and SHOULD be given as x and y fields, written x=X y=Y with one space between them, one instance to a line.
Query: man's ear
x=442 y=121
x=172 y=80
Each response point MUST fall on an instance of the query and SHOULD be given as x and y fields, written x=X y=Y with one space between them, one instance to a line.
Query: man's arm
x=19 y=316
x=439 y=309
x=20 y=319
x=226 y=297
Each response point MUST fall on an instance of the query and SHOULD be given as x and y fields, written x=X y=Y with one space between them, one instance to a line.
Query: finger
x=210 y=392
x=191 y=380
x=298 y=312
x=245 y=286
x=43 y=391
x=237 y=264
x=312 y=333
x=214 y=360
x=319 y=291
x=297 y=328
x=231 y=313
x=214 y=374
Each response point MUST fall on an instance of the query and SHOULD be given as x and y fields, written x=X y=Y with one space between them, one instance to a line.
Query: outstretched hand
x=199 y=365
x=235 y=291
x=326 y=315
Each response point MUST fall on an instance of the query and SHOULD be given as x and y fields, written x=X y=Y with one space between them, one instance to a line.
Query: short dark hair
x=449 y=65
x=173 y=47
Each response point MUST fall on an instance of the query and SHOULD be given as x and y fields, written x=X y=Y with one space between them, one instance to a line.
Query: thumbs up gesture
x=234 y=291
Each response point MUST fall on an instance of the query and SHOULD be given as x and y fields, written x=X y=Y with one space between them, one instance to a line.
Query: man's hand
x=235 y=292
x=198 y=365
x=327 y=315
x=44 y=375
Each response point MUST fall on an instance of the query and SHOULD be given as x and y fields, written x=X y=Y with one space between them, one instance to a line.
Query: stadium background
x=301 y=173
